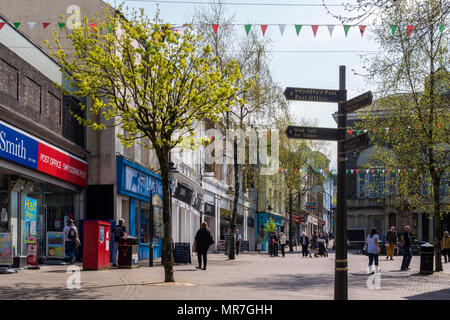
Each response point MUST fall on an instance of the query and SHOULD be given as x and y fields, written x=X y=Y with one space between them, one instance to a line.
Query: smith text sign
x=356 y=143
x=314 y=133
x=314 y=95
x=358 y=102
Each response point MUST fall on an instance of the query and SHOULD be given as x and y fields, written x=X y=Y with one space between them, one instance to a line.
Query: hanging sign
x=314 y=95
x=358 y=102
x=315 y=133
x=356 y=143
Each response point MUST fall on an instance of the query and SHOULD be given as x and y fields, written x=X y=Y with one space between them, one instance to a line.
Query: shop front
x=262 y=219
x=41 y=186
x=135 y=185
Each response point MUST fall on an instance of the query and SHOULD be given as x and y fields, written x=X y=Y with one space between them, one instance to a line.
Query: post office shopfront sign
x=27 y=150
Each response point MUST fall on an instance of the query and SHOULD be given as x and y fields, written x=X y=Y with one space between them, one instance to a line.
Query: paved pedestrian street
x=250 y=276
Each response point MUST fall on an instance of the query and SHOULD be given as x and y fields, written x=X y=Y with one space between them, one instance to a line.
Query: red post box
x=96 y=244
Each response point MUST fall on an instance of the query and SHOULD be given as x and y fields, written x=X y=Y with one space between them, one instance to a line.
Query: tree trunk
x=291 y=224
x=167 y=256
x=231 y=253
x=437 y=223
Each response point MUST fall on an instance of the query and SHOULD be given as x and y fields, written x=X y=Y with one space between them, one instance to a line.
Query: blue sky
x=297 y=61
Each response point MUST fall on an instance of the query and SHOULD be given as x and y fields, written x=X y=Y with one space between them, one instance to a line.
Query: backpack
x=72 y=234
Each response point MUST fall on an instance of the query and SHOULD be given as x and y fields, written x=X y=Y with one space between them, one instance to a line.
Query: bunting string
x=248 y=27
x=378 y=170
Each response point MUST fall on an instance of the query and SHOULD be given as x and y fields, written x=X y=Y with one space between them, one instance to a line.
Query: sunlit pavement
x=250 y=276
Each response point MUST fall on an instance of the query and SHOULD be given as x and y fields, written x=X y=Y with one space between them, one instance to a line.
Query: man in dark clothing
x=203 y=240
x=391 y=241
x=120 y=231
x=304 y=241
x=406 y=246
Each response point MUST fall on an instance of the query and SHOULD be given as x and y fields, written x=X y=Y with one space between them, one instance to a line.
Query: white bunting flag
x=31 y=25
x=230 y=27
x=330 y=29
x=282 y=27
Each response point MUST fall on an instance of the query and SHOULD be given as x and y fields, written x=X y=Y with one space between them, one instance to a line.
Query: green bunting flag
x=61 y=25
x=247 y=28
x=109 y=26
x=441 y=28
x=394 y=28
x=298 y=27
x=17 y=24
x=346 y=28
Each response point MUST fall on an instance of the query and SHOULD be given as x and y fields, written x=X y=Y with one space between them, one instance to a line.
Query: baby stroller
x=322 y=249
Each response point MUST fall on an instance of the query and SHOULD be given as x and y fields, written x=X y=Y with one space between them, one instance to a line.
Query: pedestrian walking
x=203 y=240
x=120 y=231
x=446 y=246
x=314 y=244
x=373 y=250
x=272 y=244
x=391 y=242
x=304 y=241
x=276 y=244
x=282 y=242
x=71 y=240
x=238 y=241
x=406 y=246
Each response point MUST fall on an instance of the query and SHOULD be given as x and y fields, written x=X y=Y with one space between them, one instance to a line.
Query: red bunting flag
x=410 y=30
x=2 y=24
x=362 y=29
x=314 y=29
x=215 y=28
x=93 y=25
x=263 y=29
x=45 y=24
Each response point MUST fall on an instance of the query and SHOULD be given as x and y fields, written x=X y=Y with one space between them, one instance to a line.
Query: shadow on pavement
x=443 y=294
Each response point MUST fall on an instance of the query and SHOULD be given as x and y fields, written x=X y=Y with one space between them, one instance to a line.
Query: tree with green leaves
x=151 y=83
x=262 y=102
x=301 y=170
x=408 y=124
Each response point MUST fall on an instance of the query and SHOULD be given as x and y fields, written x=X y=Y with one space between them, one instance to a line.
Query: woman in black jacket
x=203 y=240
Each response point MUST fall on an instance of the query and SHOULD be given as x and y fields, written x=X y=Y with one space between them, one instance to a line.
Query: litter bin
x=128 y=252
x=426 y=258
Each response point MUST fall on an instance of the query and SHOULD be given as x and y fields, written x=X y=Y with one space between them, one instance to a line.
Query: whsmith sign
x=22 y=148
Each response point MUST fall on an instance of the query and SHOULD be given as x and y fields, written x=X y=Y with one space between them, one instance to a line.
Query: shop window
x=5 y=214
x=144 y=234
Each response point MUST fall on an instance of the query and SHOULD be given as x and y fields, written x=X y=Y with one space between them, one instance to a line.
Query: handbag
x=365 y=248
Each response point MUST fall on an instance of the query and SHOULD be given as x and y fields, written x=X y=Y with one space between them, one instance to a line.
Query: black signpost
x=344 y=146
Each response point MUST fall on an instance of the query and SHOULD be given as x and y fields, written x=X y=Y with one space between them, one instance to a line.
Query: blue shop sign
x=136 y=181
x=18 y=147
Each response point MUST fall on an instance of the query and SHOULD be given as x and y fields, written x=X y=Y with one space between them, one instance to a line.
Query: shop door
x=42 y=230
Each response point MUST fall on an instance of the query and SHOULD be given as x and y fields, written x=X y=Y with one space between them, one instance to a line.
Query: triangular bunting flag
x=2 y=24
x=31 y=25
x=410 y=30
x=17 y=24
x=215 y=28
x=330 y=29
x=109 y=26
x=298 y=27
x=247 y=28
x=441 y=28
x=230 y=27
x=263 y=29
x=346 y=28
x=61 y=25
x=45 y=24
x=93 y=25
x=362 y=29
x=282 y=26
x=314 y=29
x=394 y=28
